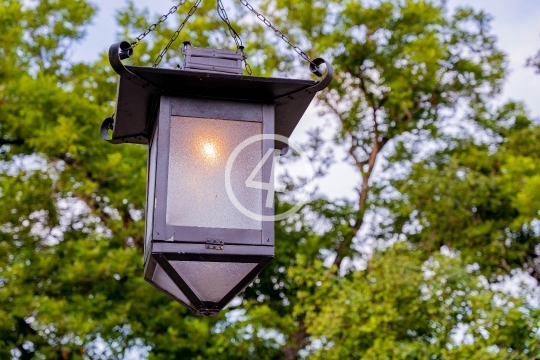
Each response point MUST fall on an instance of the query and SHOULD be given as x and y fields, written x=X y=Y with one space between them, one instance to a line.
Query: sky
x=516 y=24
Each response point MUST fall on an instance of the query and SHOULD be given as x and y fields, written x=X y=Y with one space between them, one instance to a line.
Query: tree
x=402 y=68
x=71 y=235
x=534 y=61
x=489 y=200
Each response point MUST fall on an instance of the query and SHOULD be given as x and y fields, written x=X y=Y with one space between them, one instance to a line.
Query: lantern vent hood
x=140 y=88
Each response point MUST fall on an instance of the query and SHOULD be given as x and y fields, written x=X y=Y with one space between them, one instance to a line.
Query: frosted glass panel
x=199 y=150
x=163 y=281
x=211 y=281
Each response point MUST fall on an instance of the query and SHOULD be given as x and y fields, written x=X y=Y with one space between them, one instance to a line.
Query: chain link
x=177 y=32
x=223 y=15
x=248 y=68
x=161 y=19
x=237 y=39
x=284 y=37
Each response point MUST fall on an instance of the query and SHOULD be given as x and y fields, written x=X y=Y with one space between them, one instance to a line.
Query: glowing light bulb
x=209 y=151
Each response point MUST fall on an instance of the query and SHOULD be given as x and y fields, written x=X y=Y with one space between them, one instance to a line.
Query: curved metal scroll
x=323 y=84
x=106 y=125
x=291 y=107
x=117 y=53
x=135 y=105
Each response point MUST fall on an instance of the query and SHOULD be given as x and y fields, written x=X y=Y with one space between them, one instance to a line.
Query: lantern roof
x=140 y=88
x=198 y=83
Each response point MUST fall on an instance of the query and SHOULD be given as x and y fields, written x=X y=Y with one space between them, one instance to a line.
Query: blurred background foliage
x=434 y=256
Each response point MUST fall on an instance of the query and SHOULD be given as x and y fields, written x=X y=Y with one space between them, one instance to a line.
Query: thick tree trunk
x=297 y=340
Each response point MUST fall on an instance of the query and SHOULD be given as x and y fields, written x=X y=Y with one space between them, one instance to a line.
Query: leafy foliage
x=489 y=202
x=343 y=284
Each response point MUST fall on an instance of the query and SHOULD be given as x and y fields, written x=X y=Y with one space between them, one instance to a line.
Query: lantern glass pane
x=212 y=281
x=198 y=154
x=163 y=281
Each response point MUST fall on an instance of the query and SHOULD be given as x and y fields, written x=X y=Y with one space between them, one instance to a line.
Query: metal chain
x=278 y=33
x=237 y=39
x=248 y=68
x=177 y=32
x=223 y=15
x=161 y=19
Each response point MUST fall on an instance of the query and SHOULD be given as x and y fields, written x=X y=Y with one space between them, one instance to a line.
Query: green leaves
x=362 y=277
x=402 y=307
x=39 y=35
x=482 y=204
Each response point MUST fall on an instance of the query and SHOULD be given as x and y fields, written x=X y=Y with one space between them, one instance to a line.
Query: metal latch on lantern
x=215 y=244
x=207 y=312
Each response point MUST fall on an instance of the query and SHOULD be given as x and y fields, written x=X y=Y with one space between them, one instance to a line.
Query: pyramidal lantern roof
x=203 y=283
x=203 y=245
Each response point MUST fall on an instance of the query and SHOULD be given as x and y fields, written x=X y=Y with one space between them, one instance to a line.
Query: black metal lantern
x=201 y=248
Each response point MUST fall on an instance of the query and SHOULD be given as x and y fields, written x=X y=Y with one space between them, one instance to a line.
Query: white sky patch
x=519 y=283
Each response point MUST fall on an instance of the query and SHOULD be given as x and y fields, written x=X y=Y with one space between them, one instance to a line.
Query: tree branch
x=296 y=341
x=378 y=145
x=11 y=142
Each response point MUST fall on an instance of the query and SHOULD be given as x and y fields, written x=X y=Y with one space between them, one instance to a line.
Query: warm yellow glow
x=209 y=150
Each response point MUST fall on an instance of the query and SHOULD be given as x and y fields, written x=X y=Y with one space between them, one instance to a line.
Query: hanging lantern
x=210 y=132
